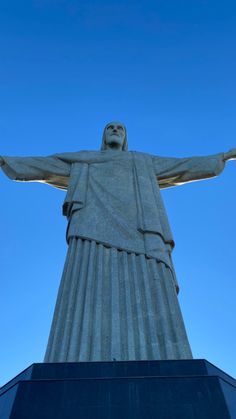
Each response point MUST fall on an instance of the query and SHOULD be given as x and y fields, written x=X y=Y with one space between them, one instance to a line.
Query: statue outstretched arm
x=177 y=171
x=230 y=155
x=51 y=170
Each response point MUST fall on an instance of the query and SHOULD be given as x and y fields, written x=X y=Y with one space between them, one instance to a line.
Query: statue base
x=186 y=389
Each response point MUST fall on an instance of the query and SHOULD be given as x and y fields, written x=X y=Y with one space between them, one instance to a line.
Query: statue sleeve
x=177 y=171
x=51 y=170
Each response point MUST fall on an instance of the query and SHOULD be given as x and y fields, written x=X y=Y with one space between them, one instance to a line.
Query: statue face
x=115 y=135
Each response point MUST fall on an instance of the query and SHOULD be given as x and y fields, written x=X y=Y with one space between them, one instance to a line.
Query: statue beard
x=114 y=144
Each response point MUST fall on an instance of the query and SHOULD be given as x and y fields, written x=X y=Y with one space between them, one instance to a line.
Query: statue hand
x=230 y=155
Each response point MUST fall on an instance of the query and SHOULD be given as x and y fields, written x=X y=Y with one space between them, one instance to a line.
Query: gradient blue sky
x=167 y=70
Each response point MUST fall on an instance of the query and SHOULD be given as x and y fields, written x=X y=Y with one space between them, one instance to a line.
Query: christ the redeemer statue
x=118 y=294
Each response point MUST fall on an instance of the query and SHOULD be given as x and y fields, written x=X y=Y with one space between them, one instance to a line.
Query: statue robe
x=118 y=294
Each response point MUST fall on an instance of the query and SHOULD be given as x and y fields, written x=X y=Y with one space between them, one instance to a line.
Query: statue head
x=114 y=137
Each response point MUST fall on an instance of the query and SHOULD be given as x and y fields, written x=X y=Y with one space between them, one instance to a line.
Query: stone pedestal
x=187 y=389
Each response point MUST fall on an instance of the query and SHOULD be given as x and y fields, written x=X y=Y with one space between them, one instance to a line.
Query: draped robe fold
x=118 y=294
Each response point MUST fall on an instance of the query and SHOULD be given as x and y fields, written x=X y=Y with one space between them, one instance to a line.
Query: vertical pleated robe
x=114 y=305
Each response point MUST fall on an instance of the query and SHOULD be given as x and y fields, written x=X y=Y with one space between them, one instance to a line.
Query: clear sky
x=166 y=68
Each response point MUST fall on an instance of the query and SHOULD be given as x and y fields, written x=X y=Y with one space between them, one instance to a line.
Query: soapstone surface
x=118 y=294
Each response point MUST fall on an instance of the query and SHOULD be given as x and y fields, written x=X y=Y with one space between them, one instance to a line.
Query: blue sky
x=167 y=70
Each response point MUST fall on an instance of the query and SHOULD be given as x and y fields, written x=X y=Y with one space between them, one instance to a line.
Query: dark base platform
x=188 y=389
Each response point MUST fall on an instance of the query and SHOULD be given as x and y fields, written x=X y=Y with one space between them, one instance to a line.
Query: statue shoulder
x=73 y=155
x=147 y=155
